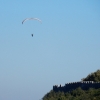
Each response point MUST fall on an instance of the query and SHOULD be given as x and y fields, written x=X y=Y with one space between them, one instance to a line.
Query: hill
x=78 y=93
x=93 y=77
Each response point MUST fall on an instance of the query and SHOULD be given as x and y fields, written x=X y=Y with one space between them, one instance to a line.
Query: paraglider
x=31 y=19
x=32 y=35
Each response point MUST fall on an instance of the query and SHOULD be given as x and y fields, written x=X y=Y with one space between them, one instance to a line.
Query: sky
x=65 y=47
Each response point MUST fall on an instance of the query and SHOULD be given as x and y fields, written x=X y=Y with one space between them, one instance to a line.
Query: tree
x=93 y=77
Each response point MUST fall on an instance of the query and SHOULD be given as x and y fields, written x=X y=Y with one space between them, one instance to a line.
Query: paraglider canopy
x=31 y=19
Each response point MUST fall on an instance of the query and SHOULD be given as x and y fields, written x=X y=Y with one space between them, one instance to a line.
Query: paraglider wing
x=31 y=19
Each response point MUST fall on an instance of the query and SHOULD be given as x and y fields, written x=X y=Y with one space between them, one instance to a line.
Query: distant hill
x=78 y=93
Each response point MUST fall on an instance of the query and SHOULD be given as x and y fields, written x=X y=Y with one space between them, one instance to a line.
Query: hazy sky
x=64 y=48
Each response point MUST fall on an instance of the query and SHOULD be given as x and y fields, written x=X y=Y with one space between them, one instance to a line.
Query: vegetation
x=93 y=77
x=78 y=94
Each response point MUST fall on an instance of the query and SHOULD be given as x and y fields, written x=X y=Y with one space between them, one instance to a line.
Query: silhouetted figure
x=32 y=35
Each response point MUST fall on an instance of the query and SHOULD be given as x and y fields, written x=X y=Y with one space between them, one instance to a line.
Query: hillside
x=93 y=77
x=78 y=93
